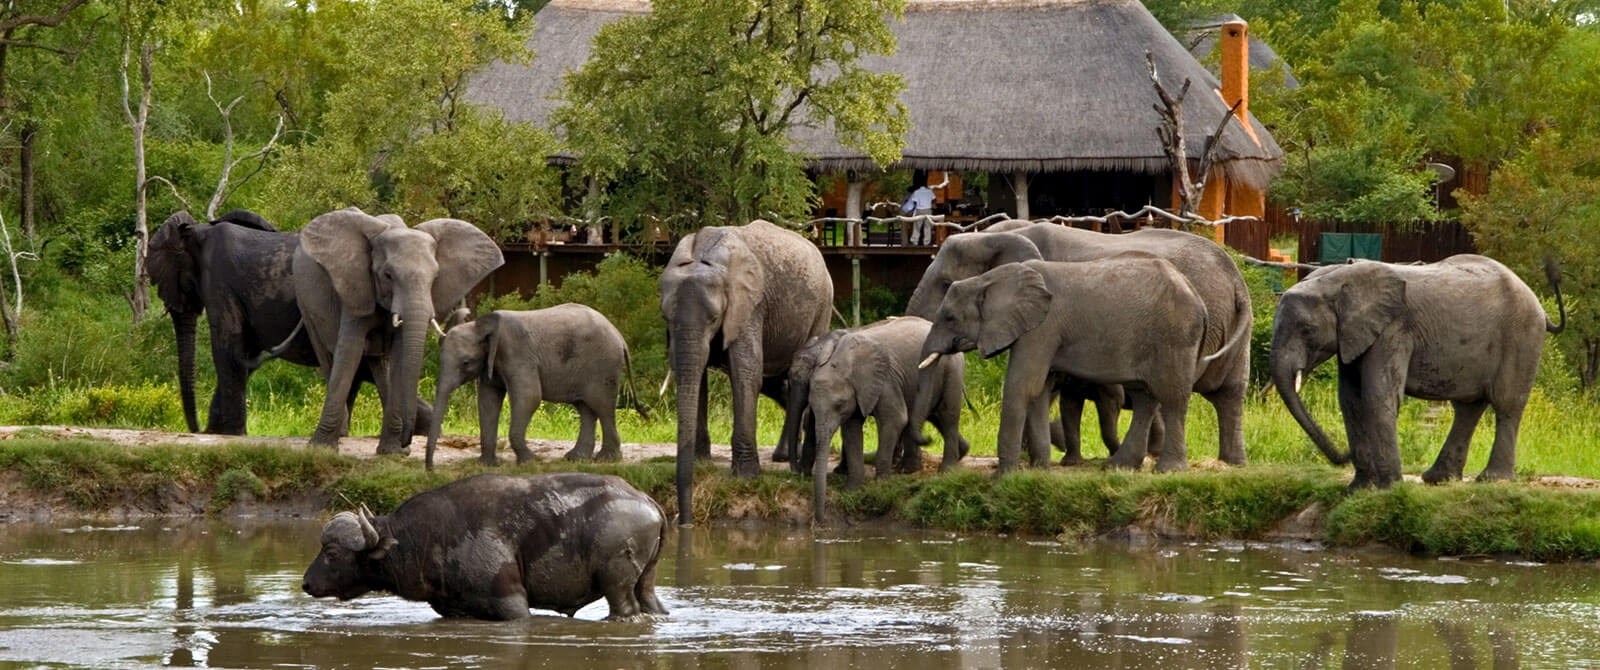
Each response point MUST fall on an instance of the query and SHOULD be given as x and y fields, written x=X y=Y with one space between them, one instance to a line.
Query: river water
x=227 y=594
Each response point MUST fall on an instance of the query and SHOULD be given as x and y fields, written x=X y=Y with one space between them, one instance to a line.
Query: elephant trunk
x=1285 y=376
x=826 y=426
x=441 y=400
x=689 y=354
x=793 y=413
x=399 y=420
x=183 y=324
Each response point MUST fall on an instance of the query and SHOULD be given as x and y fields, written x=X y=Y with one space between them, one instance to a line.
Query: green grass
x=1457 y=519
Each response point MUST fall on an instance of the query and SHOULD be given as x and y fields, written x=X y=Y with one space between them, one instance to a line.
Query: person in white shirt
x=919 y=203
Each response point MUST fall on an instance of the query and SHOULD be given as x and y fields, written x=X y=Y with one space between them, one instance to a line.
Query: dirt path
x=460 y=447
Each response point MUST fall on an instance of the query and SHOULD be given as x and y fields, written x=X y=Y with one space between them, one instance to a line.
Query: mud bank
x=49 y=474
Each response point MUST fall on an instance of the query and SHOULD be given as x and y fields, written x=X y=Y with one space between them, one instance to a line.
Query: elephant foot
x=1124 y=460
x=948 y=467
x=780 y=455
x=1437 y=475
x=746 y=468
x=1496 y=476
x=384 y=450
x=609 y=455
x=1070 y=459
x=1171 y=465
x=490 y=460
x=841 y=468
x=965 y=447
x=577 y=455
x=1232 y=459
x=909 y=465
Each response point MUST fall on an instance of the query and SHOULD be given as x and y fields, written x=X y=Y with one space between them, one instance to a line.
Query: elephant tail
x=1552 y=274
x=633 y=393
x=282 y=346
x=1241 y=331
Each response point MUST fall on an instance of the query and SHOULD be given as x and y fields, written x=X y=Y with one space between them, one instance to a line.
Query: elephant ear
x=341 y=242
x=1006 y=247
x=488 y=332
x=1370 y=297
x=870 y=372
x=1013 y=301
x=745 y=282
x=466 y=255
x=682 y=257
x=172 y=265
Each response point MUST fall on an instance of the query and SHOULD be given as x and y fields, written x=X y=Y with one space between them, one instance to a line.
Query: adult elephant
x=368 y=288
x=236 y=270
x=1222 y=381
x=744 y=300
x=1465 y=329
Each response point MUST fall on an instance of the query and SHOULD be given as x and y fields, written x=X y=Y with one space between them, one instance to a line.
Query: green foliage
x=687 y=109
x=1541 y=524
x=1547 y=202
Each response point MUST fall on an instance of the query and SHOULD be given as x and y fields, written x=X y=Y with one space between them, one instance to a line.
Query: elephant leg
x=1071 y=419
x=891 y=437
x=1023 y=384
x=744 y=376
x=1453 y=456
x=1229 y=403
x=808 y=444
x=947 y=418
x=583 y=449
x=424 y=417
x=227 y=413
x=523 y=405
x=1370 y=403
x=490 y=399
x=702 y=433
x=610 y=441
x=1131 y=455
x=1174 y=454
x=1503 y=455
x=347 y=355
x=851 y=453
x=1108 y=403
x=777 y=389
x=1037 y=437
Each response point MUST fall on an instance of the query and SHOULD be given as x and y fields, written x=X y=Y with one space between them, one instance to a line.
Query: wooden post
x=544 y=271
x=1019 y=188
x=855 y=291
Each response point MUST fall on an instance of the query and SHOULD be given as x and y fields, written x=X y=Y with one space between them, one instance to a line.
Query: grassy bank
x=1248 y=503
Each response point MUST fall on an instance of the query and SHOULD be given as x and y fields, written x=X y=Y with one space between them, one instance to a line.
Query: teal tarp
x=1340 y=247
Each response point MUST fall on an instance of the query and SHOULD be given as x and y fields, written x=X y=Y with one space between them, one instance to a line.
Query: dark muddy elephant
x=1465 y=329
x=1131 y=319
x=1202 y=262
x=569 y=353
x=236 y=270
x=368 y=288
x=873 y=372
x=742 y=299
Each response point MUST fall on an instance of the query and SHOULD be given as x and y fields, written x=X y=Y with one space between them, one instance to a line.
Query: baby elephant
x=873 y=372
x=494 y=545
x=568 y=353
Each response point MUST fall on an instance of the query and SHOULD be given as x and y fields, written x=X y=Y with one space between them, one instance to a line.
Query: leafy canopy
x=689 y=108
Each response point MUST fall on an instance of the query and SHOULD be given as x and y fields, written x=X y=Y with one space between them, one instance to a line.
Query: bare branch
x=170 y=185
x=48 y=21
x=222 y=192
x=22 y=44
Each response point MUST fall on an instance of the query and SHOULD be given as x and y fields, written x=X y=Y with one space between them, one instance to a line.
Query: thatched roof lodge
x=1052 y=93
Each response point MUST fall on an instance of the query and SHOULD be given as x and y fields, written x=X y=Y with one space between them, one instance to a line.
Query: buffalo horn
x=367 y=530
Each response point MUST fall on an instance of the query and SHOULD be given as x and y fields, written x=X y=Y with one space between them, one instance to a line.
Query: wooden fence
x=1426 y=241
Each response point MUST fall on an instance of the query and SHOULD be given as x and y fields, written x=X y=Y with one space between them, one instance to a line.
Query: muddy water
x=227 y=595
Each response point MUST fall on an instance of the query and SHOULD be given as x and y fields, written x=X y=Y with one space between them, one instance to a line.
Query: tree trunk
x=25 y=160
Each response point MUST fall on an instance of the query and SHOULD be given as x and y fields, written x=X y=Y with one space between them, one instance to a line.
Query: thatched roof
x=992 y=85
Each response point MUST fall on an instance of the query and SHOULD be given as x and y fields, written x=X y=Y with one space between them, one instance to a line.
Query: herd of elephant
x=1141 y=320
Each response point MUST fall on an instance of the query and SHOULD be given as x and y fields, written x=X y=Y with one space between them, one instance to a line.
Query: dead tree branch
x=228 y=163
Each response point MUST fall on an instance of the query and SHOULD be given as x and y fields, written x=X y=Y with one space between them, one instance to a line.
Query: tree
x=20 y=23
x=689 y=108
x=397 y=133
x=1547 y=202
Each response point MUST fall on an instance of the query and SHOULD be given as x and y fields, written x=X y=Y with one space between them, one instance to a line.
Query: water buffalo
x=492 y=546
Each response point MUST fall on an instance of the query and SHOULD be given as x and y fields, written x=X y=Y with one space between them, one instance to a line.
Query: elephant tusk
x=928 y=361
x=664 y=381
x=1297 y=377
x=436 y=327
x=395 y=320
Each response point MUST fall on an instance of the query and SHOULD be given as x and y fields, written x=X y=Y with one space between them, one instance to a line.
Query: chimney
x=1234 y=37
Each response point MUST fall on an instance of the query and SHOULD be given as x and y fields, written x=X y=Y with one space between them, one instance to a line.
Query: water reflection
x=222 y=594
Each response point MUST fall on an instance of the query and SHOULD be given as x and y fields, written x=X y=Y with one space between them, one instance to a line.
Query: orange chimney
x=1235 y=40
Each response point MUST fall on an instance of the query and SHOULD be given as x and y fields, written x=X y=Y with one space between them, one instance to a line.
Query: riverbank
x=48 y=475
